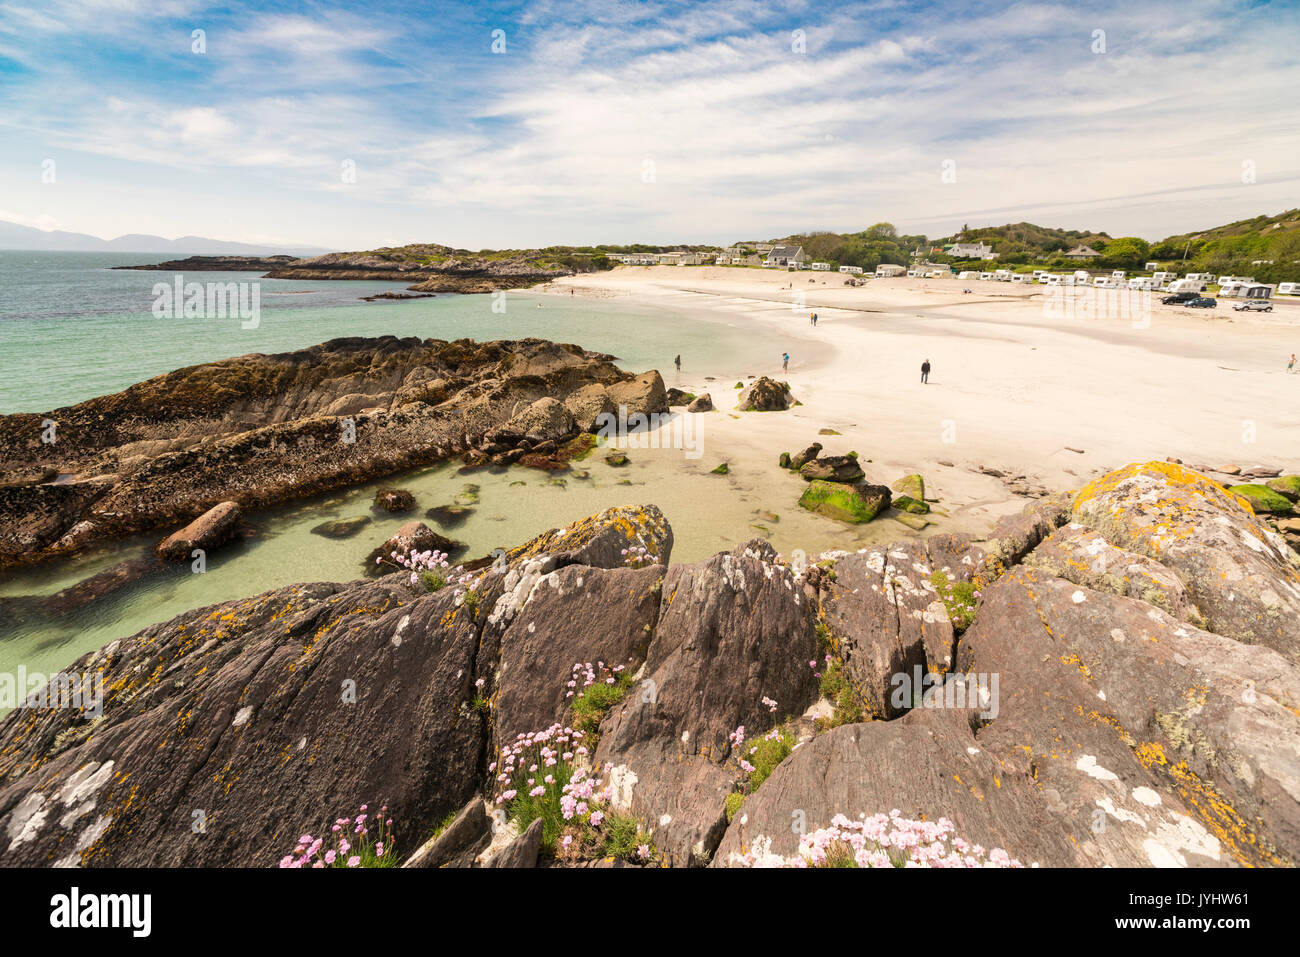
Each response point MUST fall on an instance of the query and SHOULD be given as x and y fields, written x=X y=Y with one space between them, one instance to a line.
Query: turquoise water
x=72 y=328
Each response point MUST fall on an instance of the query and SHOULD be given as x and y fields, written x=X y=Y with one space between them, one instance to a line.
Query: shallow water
x=708 y=513
x=71 y=329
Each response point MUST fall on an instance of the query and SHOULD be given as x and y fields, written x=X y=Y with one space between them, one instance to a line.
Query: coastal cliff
x=1091 y=690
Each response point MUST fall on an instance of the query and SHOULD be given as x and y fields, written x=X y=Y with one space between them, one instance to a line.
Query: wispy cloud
x=612 y=120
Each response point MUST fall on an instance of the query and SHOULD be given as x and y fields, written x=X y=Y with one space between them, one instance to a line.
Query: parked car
x=1174 y=299
x=1253 y=305
x=1202 y=302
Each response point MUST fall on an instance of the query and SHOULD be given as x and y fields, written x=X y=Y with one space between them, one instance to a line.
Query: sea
x=72 y=327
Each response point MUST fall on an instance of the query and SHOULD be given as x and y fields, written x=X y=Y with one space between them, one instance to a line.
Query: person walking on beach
x=785 y=362
x=925 y=371
x=678 y=362
x=1290 y=366
x=814 y=320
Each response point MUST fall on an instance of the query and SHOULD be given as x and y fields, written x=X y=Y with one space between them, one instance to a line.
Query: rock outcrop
x=1078 y=693
x=260 y=430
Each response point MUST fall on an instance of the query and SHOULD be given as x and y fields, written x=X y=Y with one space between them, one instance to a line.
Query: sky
x=510 y=125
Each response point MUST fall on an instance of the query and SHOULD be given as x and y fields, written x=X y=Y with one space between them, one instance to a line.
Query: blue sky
x=642 y=121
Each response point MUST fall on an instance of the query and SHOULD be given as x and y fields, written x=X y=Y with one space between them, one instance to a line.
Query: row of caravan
x=1239 y=287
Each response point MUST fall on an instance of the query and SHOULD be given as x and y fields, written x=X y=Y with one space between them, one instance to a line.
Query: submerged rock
x=394 y=500
x=210 y=530
x=342 y=528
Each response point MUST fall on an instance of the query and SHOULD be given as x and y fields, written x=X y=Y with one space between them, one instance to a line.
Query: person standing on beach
x=678 y=362
x=925 y=371
x=814 y=320
x=785 y=362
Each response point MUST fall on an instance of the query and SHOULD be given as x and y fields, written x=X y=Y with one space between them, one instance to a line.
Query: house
x=1082 y=252
x=889 y=269
x=969 y=250
x=786 y=256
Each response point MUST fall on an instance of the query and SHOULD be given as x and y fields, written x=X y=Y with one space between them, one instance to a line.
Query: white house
x=1082 y=252
x=786 y=256
x=970 y=250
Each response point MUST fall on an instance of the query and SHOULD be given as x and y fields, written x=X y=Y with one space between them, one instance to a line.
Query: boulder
x=1080 y=555
x=1242 y=576
x=679 y=397
x=701 y=403
x=544 y=419
x=927 y=765
x=846 y=503
x=522 y=851
x=1151 y=742
x=411 y=537
x=913 y=486
x=733 y=630
x=342 y=527
x=1263 y=498
x=549 y=622
x=833 y=468
x=799 y=459
x=884 y=619
x=905 y=503
x=765 y=395
x=1015 y=536
x=394 y=500
x=271 y=715
x=210 y=530
x=1288 y=486
x=459 y=843
x=643 y=394
x=587 y=406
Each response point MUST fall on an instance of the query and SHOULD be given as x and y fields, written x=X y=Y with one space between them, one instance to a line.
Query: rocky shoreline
x=429 y=267
x=1109 y=679
x=260 y=430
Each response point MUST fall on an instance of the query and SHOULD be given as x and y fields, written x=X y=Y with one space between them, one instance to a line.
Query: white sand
x=1014 y=382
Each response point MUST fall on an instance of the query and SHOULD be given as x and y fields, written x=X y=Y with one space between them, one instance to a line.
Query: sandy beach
x=1049 y=393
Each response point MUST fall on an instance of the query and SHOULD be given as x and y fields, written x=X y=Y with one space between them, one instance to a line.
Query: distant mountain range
x=15 y=236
